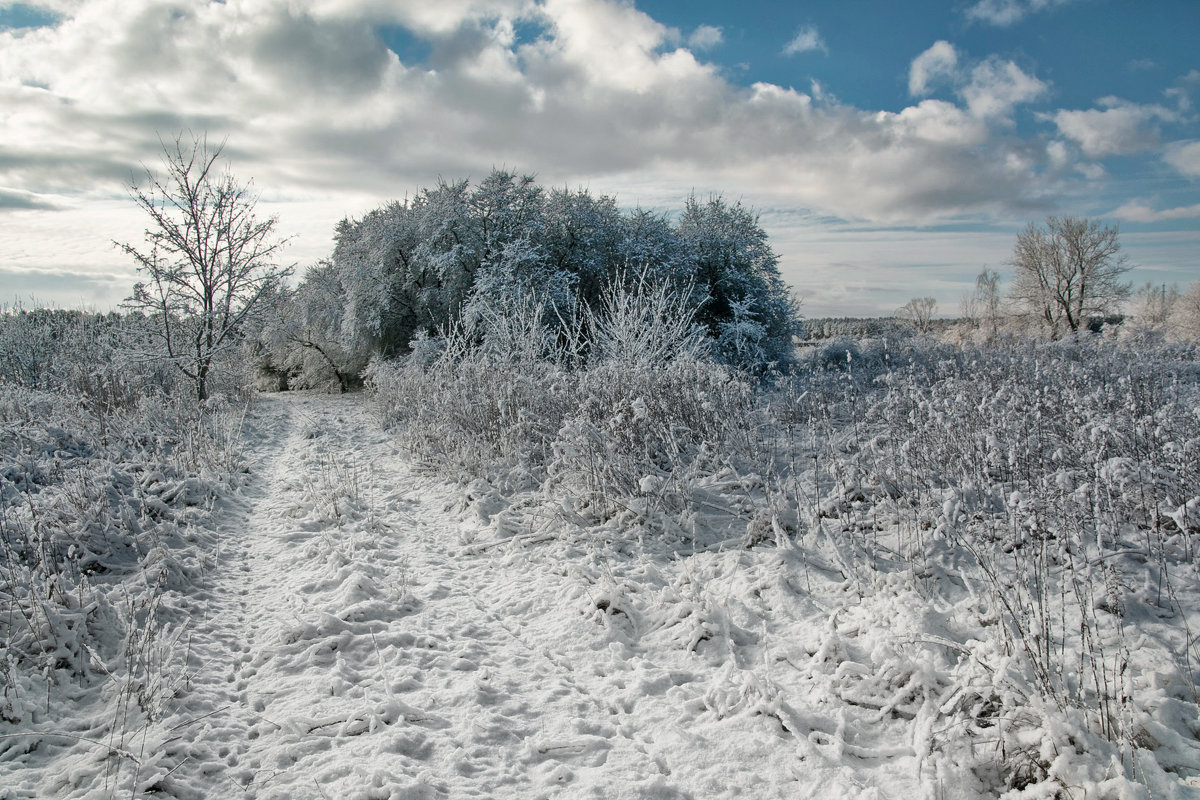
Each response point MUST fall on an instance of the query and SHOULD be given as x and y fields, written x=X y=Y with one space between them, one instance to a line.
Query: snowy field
x=333 y=613
x=349 y=636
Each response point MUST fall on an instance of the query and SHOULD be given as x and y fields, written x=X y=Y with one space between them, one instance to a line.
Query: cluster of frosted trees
x=409 y=271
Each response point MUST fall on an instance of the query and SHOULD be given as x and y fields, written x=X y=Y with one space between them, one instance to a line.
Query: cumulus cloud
x=806 y=40
x=705 y=37
x=1117 y=128
x=990 y=89
x=1185 y=157
x=938 y=62
x=938 y=121
x=996 y=86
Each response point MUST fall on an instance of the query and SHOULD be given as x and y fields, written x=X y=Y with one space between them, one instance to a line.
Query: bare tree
x=209 y=261
x=1068 y=271
x=919 y=311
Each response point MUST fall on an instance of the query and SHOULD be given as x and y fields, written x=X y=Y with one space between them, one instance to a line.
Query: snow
x=359 y=628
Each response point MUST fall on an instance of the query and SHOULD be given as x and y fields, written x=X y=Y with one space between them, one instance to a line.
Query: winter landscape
x=598 y=524
x=715 y=461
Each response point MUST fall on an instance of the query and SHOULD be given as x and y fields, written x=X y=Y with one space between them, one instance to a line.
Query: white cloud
x=991 y=89
x=1185 y=157
x=705 y=37
x=439 y=18
x=997 y=12
x=940 y=122
x=1119 y=128
x=1059 y=154
x=996 y=86
x=1003 y=13
x=613 y=44
x=1140 y=211
x=940 y=61
x=806 y=40
x=1181 y=93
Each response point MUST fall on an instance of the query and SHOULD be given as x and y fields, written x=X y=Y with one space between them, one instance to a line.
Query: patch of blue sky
x=410 y=48
x=414 y=50
x=20 y=16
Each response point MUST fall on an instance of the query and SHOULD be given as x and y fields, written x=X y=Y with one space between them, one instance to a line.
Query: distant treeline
x=817 y=328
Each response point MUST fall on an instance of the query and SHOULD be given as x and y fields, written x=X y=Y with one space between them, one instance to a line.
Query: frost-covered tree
x=919 y=311
x=1152 y=306
x=409 y=267
x=374 y=257
x=987 y=299
x=582 y=237
x=306 y=334
x=982 y=308
x=458 y=252
x=521 y=271
x=208 y=260
x=649 y=246
x=506 y=207
x=450 y=250
x=744 y=305
x=1068 y=271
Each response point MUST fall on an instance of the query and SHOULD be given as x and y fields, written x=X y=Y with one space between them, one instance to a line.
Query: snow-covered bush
x=620 y=417
x=98 y=356
x=103 y=472
x=491 y=392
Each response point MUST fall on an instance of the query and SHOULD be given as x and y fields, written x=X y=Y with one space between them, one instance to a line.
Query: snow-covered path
x=350 y=644
x=346 y=648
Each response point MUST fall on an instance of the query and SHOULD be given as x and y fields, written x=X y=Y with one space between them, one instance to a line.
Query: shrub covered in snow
x=630 y=406
x=103 y=473
x=1057 y=483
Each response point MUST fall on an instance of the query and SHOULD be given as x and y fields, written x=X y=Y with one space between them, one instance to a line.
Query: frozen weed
x=334 y=489
x=1056 y=470
x=102 y=473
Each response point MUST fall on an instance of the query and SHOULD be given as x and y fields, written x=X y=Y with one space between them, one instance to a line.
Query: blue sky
x=869 y=46
x=892 y=149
